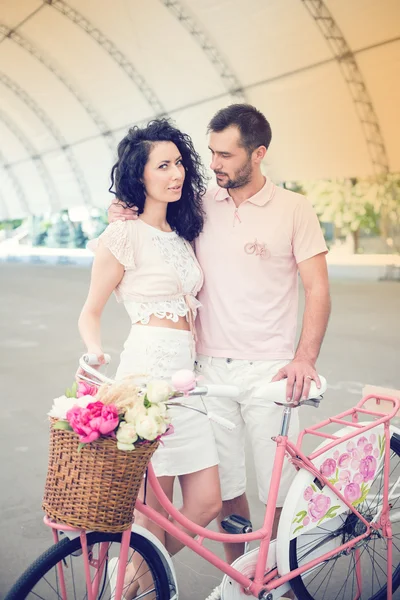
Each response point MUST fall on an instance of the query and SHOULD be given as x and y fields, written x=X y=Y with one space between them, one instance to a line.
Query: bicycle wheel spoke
x=329 y=575
x=42 y=579
x=374 y=565
x=318 y=573
x=52 y=589
x=73 y=580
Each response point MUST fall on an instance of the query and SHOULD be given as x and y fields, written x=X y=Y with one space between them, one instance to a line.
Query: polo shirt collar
x=259 y=199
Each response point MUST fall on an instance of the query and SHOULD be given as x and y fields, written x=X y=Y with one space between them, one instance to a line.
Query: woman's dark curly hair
x=185 y=216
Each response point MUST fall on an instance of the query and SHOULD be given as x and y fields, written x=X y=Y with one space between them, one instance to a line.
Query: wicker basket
x=94 y=488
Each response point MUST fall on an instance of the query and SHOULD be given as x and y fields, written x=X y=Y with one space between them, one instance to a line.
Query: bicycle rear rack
x=388 y=408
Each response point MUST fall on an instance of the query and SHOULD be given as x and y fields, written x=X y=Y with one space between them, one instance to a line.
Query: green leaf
x=62 y=425
x=80 y=446
x=360 y=499
x=71 y=392
x=314 y=487
x=300 y=516
x=334 y=479
x=330 y=514
x=327 y=516
x=298 y=528
x=146 y=402
x=381 y=445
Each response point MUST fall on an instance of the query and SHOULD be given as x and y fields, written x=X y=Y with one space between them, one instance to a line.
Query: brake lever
x=314 y=402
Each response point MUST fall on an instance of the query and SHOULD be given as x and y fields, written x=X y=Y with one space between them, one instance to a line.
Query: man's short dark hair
x=254 y=128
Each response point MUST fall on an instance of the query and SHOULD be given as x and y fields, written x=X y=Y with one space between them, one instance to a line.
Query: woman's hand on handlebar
x=94 y=351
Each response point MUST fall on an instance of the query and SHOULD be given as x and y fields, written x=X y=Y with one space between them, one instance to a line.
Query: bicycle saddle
x=275 y=391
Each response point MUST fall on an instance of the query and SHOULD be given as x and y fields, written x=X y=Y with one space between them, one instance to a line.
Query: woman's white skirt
x=157 y=353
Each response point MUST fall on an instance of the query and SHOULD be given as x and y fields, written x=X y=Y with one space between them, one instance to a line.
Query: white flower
x=125 y=447
x=157 y=410
x=147 y=427
x=158 y=391
x=63 y=404
x=126 y=436
x=162 y=427
x=138 y=410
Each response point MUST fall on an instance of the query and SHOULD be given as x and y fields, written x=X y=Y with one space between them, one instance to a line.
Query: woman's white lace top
x=162 y=275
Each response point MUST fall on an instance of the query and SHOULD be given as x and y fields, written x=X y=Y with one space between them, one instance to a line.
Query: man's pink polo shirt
x=249 y=257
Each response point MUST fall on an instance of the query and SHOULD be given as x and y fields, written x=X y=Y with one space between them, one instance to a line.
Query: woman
x=151 y=267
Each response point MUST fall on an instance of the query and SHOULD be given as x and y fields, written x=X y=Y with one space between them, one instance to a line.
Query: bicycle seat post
x=287 y=412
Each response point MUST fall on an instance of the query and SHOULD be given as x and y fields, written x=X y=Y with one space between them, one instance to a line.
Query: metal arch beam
x=41 y=168
x=29 y=47
x=229 y=79
x=57 y=135
x=16 y=184
x=355 y=82
x=113 y=51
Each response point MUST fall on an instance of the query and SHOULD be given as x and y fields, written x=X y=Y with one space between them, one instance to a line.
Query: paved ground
x=39 y=344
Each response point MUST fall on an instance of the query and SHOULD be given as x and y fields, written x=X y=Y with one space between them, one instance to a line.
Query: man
x=256 y=239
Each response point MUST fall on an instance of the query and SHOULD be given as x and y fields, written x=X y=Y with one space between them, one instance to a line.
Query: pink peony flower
x=306 y=521
x=361 y=442
x=376 y=453
x=109 y=419
x=344 y=460
x=368 y=468
x=95 y=408
x=344 y=476
x=338 y=485
x=350 y=446
x=356 y=454
x=318 y=507
x=308 y=493
x=85 y=389
x=358 y=478
x=372 y=438
x=336 y=454
x=368 y=449
x=355 y=464
x=328 y=467
x=352 y=492
x=94 y=420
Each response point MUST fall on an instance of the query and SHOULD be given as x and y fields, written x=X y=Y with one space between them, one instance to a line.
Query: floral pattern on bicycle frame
x=351 y=467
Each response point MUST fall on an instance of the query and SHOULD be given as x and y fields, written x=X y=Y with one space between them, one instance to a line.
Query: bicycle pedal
x=236 y=524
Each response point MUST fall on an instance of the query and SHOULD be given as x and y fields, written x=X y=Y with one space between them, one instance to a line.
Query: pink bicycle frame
x=92 y=587
x=261 y=581
x=272 y=580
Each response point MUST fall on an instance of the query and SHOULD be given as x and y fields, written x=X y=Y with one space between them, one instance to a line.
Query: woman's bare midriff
x=157 y=322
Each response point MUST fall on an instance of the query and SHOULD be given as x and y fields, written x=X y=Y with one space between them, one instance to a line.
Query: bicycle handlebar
x=88 y=361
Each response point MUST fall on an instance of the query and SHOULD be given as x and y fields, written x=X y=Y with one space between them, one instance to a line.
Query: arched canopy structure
x=75 y=74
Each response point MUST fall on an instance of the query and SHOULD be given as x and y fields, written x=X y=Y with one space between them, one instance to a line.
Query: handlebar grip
x=222 y=391
x=91 y=359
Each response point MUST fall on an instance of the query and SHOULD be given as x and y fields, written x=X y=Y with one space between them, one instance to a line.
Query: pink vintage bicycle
x=338 y=538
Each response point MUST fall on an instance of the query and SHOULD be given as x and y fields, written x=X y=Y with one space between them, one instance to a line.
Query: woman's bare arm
x=107 y=272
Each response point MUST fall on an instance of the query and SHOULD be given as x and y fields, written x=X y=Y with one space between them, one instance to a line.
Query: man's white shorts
x=260 y=419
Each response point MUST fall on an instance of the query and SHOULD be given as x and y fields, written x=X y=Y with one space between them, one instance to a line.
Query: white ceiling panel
x=74 y=70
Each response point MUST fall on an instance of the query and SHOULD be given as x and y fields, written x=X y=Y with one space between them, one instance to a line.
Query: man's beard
x=241 y=177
